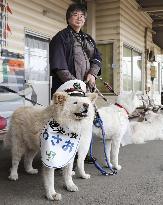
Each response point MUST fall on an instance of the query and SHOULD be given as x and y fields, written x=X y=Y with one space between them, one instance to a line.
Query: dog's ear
x=60 y=97
x=92 y=97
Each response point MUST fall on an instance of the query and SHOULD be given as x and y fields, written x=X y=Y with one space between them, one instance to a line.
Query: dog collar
x=58 y=145
x=122 y=107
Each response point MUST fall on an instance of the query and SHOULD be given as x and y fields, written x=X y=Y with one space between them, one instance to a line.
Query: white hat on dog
x=73 y=87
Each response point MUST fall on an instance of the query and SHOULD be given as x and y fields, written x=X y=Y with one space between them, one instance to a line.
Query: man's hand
x=91 y=82
x=91 y=79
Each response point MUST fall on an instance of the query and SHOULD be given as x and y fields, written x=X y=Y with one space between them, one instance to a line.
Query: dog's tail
x=7 y=139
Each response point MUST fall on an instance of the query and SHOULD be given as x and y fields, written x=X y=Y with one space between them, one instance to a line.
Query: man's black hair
x=75 y=7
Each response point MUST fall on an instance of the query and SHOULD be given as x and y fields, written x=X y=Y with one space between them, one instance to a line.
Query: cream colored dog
x=77 y=113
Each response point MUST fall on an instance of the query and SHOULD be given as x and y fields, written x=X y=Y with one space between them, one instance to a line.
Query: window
x=157 y=76
x=37 y=66
x=132 y=69
x=126 y=66
x=36 y=58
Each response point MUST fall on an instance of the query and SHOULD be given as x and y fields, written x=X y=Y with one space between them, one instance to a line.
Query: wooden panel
x=107 y=19
x=135 y=15
x=56 y=7
x=107 y=11
x=111 y=24
x=110 y=5
x=29 y=15
x=133 y=23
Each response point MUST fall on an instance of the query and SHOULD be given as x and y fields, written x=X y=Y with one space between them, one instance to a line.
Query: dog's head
x=151 y=116
x=129 y=101
x=74 y=107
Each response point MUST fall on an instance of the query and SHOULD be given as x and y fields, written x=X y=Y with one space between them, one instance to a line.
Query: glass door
x=37 y=66
x=106 y=51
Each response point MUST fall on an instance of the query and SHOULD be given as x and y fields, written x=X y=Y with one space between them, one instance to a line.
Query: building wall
x=29 y=15
x=133 y=23
x=108 y=28
x=136 y=31
x=122 y=22
x=43 y=18
x=119 y=21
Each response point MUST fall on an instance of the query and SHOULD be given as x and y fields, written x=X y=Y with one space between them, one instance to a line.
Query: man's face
x=77 y=20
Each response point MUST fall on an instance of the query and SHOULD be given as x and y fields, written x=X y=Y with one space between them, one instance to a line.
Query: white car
x=10 y=102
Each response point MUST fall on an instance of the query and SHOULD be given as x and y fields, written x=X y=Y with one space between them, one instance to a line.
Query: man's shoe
x=88 y=160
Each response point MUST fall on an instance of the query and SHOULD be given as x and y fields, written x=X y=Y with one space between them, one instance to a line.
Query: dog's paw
x=138 y=140
x=86 y=176
x=32 y=171
x=55 y=196
x=13 y=177
x=72 y=187
x=117 y=167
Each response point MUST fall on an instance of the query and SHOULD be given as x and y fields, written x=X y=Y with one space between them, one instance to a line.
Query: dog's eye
x=75 y=103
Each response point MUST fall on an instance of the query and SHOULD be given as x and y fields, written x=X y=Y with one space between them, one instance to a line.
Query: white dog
x=115 y=122
x=26 y=125
x=151 y=129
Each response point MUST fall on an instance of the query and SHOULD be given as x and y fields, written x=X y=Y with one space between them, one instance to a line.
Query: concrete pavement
x=140 y=182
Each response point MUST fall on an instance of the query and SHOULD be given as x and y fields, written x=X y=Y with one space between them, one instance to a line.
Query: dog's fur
x=151 y=129
x=115 y=122
x=24 y=136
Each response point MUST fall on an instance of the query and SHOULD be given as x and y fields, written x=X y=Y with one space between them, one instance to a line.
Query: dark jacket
x=61 y=55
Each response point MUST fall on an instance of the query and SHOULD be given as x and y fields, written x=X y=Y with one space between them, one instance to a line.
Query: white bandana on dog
x=58 y=145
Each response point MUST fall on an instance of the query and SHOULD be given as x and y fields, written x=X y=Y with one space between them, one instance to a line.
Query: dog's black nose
x=86 y=105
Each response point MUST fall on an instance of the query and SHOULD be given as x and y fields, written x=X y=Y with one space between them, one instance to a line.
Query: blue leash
x=99 y=124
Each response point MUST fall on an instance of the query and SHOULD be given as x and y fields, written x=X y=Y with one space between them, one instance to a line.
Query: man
x=73 y=53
